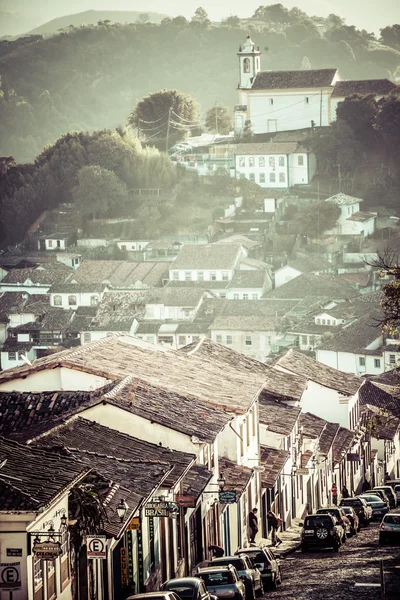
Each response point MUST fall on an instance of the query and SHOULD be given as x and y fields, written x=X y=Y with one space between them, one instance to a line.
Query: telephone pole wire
x=216 y=118
x=168 y=127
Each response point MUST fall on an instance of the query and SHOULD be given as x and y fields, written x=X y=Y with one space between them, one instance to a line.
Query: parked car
x=389 y=528
x=379 y=507
x=320 y=531
x=267 y=563
x=223 y=582
x=364 y=512
x=353 y=518
x=155 y=596
x=381 y=494
x=188 y=588
x=342 y=521
x=397 y=492
x=250 y=575
x=390 y=493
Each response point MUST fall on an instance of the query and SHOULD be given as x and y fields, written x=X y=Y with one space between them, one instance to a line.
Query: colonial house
x=206 y=262
x=35 y=280
x=351 y=221
x=70 y=296
x=271 y=165
x=379 y=88
x=56 y=241
x=299 y=264
x=120 y=274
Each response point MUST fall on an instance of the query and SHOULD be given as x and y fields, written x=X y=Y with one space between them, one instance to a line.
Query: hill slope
x=91 y=17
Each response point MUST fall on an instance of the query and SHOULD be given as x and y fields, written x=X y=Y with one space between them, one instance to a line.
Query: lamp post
x=122 y=508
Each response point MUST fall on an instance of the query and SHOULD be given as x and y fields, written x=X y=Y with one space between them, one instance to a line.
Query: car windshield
x=372 y=499
x=235 y=562
x=397 y=488
x=181 y=590
x=218 y=578
x=351 y=502
x=393 y=519
x=347 y=510
x=317 y=522
x=387 y=491
x=330 y=511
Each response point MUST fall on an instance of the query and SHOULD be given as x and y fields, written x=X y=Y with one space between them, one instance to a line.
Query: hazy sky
x=366 y=14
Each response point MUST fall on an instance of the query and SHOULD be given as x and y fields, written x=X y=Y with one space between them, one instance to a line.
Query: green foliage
x=316 y=218
x=219 y=120
x=168 y=112
x=388 y=125
x=390 y=36
x=360 y=114
x=98 y=190
x=91 y=76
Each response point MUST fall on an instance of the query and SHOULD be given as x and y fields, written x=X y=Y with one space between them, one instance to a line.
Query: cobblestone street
x=329 y=576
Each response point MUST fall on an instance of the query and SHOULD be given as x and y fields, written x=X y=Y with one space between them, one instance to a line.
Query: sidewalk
x=290 y=540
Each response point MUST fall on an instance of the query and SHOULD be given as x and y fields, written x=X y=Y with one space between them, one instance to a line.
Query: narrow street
x=328 y=576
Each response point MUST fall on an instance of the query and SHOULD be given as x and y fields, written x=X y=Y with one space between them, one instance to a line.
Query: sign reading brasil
x=159 y=508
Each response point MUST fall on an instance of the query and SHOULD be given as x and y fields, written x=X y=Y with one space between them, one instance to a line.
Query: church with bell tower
x=249 y=63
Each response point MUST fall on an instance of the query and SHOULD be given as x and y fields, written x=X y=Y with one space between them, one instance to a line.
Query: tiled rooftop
x=120 y=273
x=314 y=78
x=45 y=274
x=265 y=148
x=363 y=87
x=312 y=425
x=342 y=444
x=301 y=286
x=207 y=256
x=236 y=476
x=343 y=199
x=357 y=336
x=278 y=417
x=327 y=437
x=273 y=460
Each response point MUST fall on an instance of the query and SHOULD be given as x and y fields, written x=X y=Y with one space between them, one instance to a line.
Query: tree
x=360 y=112
x=143 y=18
x=388 y=125
x=232 y=21
x=276 y=13
x=98 y=190
x=219 y=120
x=200 y=18
x=390 y=35
x=316 y=218
x=163 y=113
x=247 y=133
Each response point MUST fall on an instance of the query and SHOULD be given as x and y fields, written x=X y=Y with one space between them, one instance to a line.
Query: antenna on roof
x=26 y=360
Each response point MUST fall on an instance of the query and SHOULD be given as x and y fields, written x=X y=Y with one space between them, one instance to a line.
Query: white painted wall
x=285 y=274
x=275 y=175
x=82 y=299
x=261 y=341
x=55 y=379
x=208 y=275
x=352 y=363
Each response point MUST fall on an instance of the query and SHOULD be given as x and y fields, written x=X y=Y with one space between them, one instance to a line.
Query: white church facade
x=288 y=100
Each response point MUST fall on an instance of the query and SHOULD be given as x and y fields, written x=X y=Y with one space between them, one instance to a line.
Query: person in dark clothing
x=366 y=486
x=217 y=551
x=334 y=491
x=253 y=525
x=345 y=492
x=274 y=522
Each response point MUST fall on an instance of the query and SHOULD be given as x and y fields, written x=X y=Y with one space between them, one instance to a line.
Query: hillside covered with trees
x=88 y=78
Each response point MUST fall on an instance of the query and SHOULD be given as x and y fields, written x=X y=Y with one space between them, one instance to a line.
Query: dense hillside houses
x=276 y=101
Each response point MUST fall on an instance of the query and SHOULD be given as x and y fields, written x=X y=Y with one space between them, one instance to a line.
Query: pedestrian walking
x=345 y=492
x=252 y=525
x=274 y=522
x=334 y=492
x=366 y=485
x=217 y=551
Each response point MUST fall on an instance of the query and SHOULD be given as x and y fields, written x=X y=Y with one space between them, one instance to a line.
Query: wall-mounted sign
x=47 y=550
x=353 y=457
x=14 y=551
x=185 y=501
x=96 y=546
x=134 y=524
x=227 y=496
x=160 y=508
x=124 y=567
x=10 y=577
x=302 y=471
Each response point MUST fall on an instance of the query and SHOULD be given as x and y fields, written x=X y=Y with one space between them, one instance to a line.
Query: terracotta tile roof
x=236 y=476
x=363 y=87
x=113 y=526
x=315 y=78
x=120 y=273
x=118 y=309
x=239 y=239
x=24 y=415
x=207 y=256
x=361 y=216
x=175 y=296
x=255 y=263
x=46 y=274
x=312 y=425
x=300 y=287
x=342 y=444
x=183 y=413
x=265 y=148
x=327 y=437
x=20 y=490
x=216 y=383
x=356 y=336
x=283 y=386
x=248 y=279
x=382 y=396
x=132 y=463
x=278 y=417
x=76 y=288
x=273 y=460
x=305 y=458
x=308 y=264
x=12 y=345
x=297 y=135
x=299 y=364
x=195 y=480
x=343 y=199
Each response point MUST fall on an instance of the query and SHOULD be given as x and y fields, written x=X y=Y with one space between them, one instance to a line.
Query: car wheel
x=260 y=591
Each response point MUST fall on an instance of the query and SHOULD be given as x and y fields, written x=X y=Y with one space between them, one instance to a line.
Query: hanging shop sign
x=227 y=497
x=302 y=471
x=134 y=524
x=353 y=457
x=185 y=501
x=158 y=508
x=47 y=550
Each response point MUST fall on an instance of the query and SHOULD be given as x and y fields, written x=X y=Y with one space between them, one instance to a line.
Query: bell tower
x=249 y=63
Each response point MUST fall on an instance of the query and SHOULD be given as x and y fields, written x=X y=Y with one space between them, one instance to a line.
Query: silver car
x=223 y=582
x=379 y=507
x=389 y=528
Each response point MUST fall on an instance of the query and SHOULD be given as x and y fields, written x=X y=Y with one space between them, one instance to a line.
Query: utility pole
x=339 y=178
x=320 y=110
x=168 y=127
x=216 y=118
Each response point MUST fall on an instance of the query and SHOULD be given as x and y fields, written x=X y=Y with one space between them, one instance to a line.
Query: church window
x=272 y=178
x=282 y=178
x=251 y=161
x=246 y=65
x=281 y=161
x=271 y=161
x=261 y=161
x=242 y=161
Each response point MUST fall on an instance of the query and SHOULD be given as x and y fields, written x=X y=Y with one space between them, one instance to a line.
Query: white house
x=273 y=165
x=351 y=221
x=253 y=336
x=206 y=262
x=73 y=295
x=55 y=241
x=299 y=264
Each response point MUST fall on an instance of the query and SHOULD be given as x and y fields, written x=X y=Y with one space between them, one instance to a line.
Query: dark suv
x=361 y=508
x=320 y=531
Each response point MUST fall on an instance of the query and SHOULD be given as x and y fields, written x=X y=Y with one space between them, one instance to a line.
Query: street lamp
x=122 y=507
x=221 y=482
